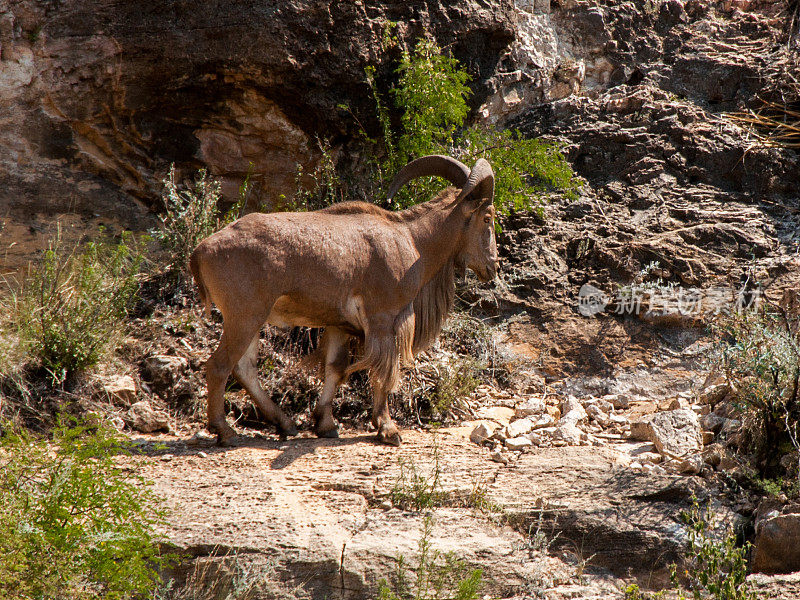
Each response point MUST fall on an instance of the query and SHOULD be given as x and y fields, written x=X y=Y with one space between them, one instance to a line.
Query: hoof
x=287 y=432
x=389 y=435
x=226 y=436
x=331 y=433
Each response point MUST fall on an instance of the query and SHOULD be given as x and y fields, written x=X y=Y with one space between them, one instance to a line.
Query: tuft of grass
x=73 y=523
x=70 y=308
x=414 y=490
x=434 y=575
x=232 y=577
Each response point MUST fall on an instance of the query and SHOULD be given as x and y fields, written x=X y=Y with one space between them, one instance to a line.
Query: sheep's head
x=475 y=201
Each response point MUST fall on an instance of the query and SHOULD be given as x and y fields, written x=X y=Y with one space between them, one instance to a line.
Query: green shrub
x=715 y=567
x=432 y=97
x=525 y=168
x=69 y=310
x=435 y=576
x=760 y=357
x=74 y=524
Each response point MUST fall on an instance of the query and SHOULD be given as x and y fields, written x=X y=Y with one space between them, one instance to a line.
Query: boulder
x=674 y=433
x=776 y=548
x=597 y=414
x=518 y=443
x=141 y=416
x=568 y=432
x=572 y=411
x=165 y=370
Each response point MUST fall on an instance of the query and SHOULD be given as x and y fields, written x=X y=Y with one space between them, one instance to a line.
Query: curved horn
x=481 y=181
x=447 y=167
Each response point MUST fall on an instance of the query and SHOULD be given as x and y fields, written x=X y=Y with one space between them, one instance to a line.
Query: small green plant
x=435 y=576
x=73 y=523
x=716 y=569
x=414 y=490
x=633 y=592
x=759 y=353
x=69 y=309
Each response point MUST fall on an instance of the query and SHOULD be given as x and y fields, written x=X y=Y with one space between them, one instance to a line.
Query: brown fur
x=355 y=269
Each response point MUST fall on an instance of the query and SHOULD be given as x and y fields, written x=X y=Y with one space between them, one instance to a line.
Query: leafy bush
x=524 y=168
x=69 y=310
x=325 y=186
x=74 y=524
x=760 y=357
x=715 y=566
x=435 y=576
x=432 y=95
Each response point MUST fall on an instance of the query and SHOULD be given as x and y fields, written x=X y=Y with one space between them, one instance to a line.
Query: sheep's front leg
x=388 y=433
x=334 y=341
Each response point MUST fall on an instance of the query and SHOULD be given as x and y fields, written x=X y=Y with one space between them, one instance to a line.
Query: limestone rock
x=714 y=393
x=674 y=433
x=518 y=443
x=597 y=414
x=164 y=370
x=121 y=390
x=519 y=427
x=483 y=432
x=692 y=465
x=531 y=406
x=569 y=432
x=572 y=411
x=141 y=416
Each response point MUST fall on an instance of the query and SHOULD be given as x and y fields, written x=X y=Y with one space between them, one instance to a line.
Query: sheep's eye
x=487 y=219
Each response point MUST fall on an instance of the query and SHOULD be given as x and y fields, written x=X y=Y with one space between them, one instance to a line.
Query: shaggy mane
x=432 y=305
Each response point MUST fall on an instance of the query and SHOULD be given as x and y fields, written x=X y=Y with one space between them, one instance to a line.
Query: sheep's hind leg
x=246 y=373
x=334 y=342
x=218 y=368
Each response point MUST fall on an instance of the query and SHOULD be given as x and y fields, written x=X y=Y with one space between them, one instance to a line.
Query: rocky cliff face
x=100 y=97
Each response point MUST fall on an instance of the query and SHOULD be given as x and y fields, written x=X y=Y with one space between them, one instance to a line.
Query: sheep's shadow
x=291 y=448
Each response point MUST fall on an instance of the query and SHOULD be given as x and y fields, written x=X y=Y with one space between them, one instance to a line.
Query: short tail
x=194 y=267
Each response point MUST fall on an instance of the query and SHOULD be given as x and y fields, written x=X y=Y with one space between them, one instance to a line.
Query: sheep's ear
x=479 y=205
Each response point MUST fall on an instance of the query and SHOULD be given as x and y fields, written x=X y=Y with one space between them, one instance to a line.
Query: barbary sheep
x=354 y=269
